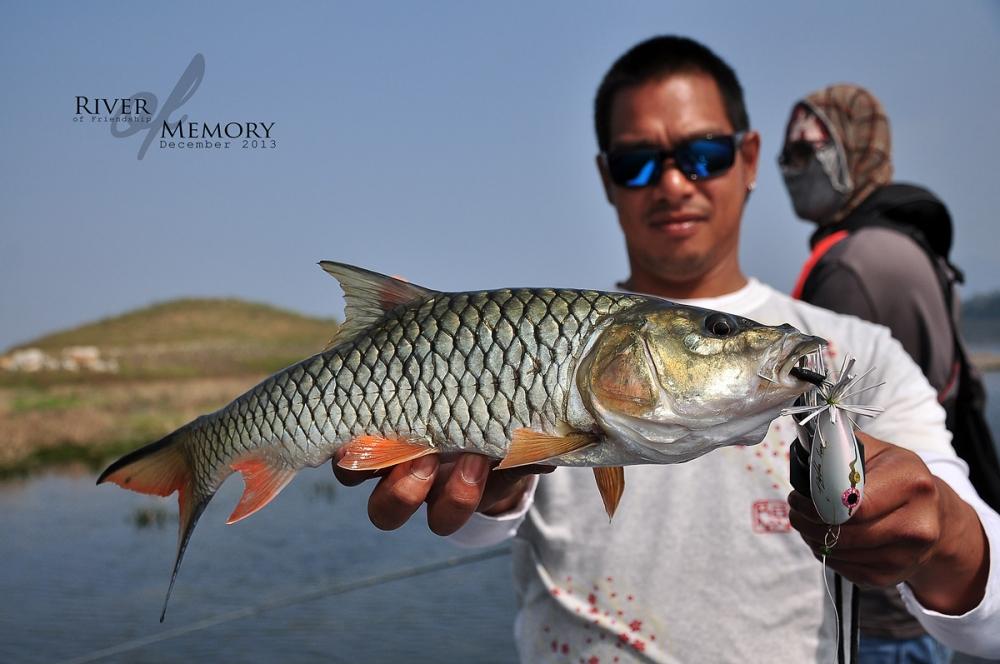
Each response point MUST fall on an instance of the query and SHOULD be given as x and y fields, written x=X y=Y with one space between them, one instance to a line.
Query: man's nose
x=674 y=183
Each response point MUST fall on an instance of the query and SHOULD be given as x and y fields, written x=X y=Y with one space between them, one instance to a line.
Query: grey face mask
x=815 y=196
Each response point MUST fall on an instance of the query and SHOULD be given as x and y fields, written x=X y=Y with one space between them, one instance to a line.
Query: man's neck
x=702 y=287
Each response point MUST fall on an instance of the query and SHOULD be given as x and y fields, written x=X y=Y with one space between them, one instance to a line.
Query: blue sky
x=443 y=141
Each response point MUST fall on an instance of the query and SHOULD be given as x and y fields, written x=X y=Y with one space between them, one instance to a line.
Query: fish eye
x=721 y=325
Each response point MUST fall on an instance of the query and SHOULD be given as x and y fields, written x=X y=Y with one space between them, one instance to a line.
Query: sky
x=448 y=142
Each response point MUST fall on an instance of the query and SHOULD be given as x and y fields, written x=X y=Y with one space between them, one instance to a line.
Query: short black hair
x=660 y=57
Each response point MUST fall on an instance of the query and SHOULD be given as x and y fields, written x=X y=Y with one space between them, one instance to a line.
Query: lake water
x=79 y=577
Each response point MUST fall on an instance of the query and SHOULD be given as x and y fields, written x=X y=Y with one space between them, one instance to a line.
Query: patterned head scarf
x=858 y=122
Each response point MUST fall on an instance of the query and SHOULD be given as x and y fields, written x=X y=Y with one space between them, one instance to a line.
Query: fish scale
x=492 y=399
x=384 y=382
x=565 y=376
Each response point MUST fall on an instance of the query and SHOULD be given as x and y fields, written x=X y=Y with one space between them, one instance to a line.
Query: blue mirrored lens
x=635 y=168
x=644 y=175
x=705 y=157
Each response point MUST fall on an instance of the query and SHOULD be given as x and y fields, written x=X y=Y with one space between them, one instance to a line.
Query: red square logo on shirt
x=770 y=516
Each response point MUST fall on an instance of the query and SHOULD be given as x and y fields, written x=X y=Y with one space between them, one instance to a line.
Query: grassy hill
x=188 y=338
x=175 y=360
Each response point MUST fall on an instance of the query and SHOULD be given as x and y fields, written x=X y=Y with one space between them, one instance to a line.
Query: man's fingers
x=874 y=447
x=453 y=487
x=804 y=507
x=400 y=493
x=351 y=477
x=504 y=485
x=456 y=500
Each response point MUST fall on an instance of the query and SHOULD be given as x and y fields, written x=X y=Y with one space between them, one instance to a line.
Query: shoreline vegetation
x=87 y=395
x=986 y=362
x=94 y=392
x=88 y=423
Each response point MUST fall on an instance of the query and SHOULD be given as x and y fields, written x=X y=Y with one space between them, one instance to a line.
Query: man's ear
x=609 y=186
x=750 y=154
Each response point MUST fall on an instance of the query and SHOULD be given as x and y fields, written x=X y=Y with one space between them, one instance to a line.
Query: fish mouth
x=805 y=362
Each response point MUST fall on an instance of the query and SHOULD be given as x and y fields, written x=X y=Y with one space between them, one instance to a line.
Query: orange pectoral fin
x=262 y=482
x=611 y=484
x=533 y=447
x=374 y=452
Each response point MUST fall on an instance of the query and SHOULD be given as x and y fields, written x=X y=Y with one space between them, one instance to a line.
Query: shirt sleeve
x=482 y=530
x=913 y=418
x=976 y=632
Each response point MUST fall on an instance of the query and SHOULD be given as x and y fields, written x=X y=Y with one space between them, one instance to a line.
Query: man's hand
x=453 y=489
x=911 y=527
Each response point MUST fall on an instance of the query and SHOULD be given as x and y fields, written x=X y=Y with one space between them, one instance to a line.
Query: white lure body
x=836 y=472
x=836 y=460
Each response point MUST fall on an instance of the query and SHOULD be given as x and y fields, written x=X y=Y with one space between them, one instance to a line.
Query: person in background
x=880 y=252
x=702 y=562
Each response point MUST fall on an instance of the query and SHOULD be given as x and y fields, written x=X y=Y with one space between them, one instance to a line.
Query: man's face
x=680 y=233
x=805 y=135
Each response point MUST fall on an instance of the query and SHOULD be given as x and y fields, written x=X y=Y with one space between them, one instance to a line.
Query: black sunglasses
x=795 y=155
x=697 y=158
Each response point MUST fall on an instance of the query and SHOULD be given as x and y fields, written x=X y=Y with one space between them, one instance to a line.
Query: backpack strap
x=964 y=395
x=820 y=250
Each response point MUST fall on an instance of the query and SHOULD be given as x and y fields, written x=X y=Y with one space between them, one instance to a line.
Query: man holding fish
x=455 y=398
x=700 y=562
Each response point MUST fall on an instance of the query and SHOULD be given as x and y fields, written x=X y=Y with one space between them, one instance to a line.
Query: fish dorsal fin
x=368 y=296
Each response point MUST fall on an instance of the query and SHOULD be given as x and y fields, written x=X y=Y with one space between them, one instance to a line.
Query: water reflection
x=149 y=516
x=324 y=492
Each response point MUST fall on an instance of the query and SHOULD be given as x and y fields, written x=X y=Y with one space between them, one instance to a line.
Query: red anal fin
x=262 y=482
x=374 y=452
x=611 y=484
x=530 y=446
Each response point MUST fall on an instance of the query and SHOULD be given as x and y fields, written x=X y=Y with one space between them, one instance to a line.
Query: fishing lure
x=827 y=464
x=825 y=431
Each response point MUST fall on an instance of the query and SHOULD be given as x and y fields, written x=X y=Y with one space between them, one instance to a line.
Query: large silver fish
x=524 y=375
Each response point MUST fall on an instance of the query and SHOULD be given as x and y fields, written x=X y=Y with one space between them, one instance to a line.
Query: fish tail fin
x=159 y=469
x=191 y=508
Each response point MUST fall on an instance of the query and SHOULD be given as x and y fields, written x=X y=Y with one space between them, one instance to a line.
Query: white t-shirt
x=700 y=563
